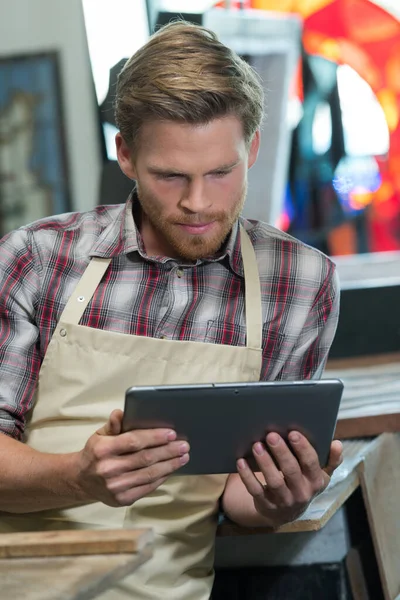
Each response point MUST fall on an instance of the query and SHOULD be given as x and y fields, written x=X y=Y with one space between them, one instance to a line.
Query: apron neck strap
x=254 y=320
x=84 y=291
x=97 y=267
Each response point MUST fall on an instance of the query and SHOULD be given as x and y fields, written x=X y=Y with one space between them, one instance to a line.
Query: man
x=171 y=288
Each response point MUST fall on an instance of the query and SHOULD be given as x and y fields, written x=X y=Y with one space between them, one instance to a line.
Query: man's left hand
x=288 y=488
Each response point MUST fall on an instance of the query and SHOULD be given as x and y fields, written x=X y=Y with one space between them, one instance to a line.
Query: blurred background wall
x=44 y=58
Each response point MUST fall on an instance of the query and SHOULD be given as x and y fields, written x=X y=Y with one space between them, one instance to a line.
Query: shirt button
x=163 y=337
x=179 y=273
x=63 y=332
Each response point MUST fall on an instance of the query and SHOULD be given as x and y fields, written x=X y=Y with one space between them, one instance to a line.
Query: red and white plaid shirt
x=40 y=265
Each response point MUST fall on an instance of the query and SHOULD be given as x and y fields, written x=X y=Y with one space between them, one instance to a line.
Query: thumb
x=113 y=425
x=335 y=457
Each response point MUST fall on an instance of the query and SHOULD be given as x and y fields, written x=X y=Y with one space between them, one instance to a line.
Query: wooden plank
x=73 y=542
x=371 y=398
x=379 y=473
x=66 y=578
x=362 y=361
x=367 y=426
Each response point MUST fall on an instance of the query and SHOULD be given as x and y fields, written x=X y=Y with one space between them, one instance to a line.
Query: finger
x=287 y=462
x=134 y=441
x=120 y=464
x=251 y=483
x=113 y=425
x=335 y=457
x=307 y=457
x=146 y=476
x=326 y=481
x=276 y=485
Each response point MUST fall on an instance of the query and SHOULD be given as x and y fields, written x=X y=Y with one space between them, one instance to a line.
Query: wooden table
x=373 y=422
x=80 y=577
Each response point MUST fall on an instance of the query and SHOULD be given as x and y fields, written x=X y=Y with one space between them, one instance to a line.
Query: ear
x=253 y=150
x=124 y=156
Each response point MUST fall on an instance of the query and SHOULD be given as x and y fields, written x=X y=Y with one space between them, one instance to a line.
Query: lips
x=197 y=229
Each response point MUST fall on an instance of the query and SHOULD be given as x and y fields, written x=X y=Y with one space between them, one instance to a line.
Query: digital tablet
x=221 y=422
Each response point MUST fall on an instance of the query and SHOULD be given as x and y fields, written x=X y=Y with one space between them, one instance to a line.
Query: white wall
x=124 y=24
x=49 y=25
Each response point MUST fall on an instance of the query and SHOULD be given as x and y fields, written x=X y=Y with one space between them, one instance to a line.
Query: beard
x=185 y=245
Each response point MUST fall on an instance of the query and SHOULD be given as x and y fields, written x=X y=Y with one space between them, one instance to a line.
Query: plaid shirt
x=40 y=265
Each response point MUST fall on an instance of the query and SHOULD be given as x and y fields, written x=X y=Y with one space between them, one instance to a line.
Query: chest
x=205 y=303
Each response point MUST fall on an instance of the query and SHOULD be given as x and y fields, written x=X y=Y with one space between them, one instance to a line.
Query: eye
x=168 y=176
x=221 y=173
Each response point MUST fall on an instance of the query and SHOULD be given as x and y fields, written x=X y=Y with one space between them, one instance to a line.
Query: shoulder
x=48 y=235
x=280 y=254
x=98 y=218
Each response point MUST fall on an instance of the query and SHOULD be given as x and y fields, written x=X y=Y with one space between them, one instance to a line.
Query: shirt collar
x=122 y=236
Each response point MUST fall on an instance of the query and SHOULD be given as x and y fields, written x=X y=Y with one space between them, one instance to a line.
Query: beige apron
x=84 y=376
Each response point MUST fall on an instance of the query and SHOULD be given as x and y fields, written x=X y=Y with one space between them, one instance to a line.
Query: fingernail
x=184 y=459
x=183 y=448
x=171 y=436
x=273 y=439
x=294 y=437
x=259 y=449
x=241 y=464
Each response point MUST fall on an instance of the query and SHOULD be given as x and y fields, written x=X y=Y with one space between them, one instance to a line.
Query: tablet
x=221 y=422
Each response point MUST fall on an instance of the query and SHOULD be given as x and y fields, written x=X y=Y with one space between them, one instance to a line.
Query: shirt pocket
x=275 y=344
x=229 y=334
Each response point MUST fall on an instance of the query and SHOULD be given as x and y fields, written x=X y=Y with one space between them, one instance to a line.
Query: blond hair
x=185 y=74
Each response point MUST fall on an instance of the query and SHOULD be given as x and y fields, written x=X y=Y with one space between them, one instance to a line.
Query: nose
x=194 y=198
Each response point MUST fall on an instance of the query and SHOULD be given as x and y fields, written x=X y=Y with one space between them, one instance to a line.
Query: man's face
x=191 y=182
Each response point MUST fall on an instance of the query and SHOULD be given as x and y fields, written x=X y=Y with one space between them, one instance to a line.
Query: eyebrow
x=164 y=171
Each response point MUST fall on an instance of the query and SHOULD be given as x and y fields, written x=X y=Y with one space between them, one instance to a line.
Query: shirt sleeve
x=308 y=357
x=19 y=337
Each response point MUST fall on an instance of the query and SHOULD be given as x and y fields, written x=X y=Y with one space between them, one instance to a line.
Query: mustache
x=198 y=218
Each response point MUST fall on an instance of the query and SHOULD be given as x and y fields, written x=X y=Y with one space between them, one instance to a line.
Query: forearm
x=238 y=505
x=32 y=481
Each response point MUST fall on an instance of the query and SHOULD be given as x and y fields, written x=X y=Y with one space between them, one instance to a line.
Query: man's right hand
x=119 y=468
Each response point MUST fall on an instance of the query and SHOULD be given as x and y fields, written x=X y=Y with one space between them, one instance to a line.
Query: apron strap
x=96 y=268
x=84 y=291
x=253 y=305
